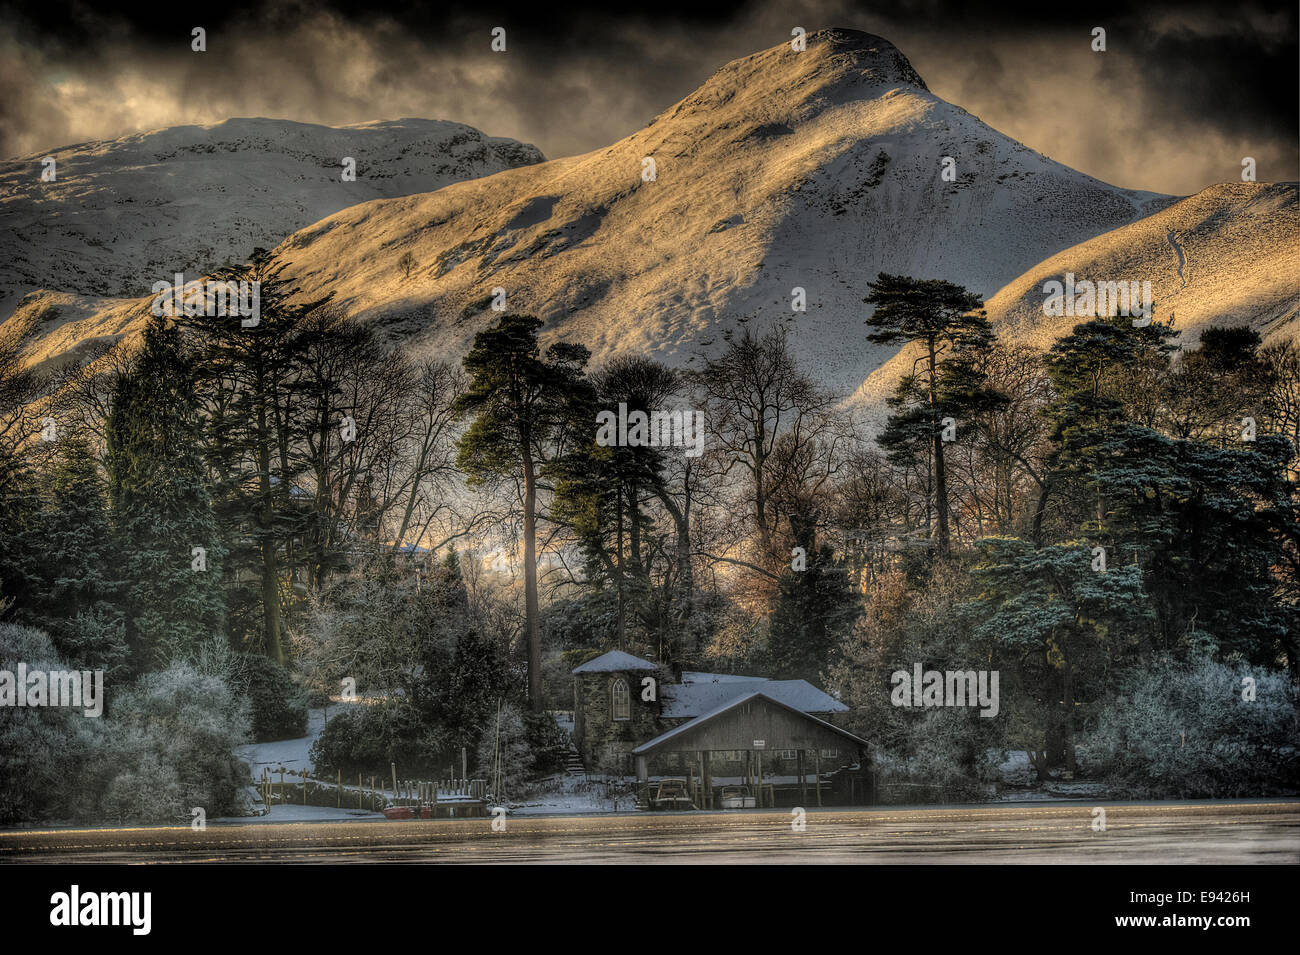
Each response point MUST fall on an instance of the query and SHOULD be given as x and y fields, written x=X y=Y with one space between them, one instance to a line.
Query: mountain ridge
x=812 y=170
x=749 y=169
x=123 y=213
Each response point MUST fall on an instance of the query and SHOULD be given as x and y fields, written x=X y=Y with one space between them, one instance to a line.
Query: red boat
x=407 y=812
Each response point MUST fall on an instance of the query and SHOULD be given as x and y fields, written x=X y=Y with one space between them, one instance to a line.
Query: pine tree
x=1054 y=607
x=161 y=509
x=602 y=493
x=250 y=385
x=77 y=560
x=524 y=407
x=1089 y=369
x=815 y=611
x=943 y=319
x=1207 y=525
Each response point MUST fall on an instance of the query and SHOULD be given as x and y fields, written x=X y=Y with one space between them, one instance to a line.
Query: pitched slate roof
x=696 y=696
x=690 y=676
x=613 y=661
x=703 y=718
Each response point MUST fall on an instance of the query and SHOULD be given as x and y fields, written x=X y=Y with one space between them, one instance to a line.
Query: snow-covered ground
x=573 y=795
x=289 y=753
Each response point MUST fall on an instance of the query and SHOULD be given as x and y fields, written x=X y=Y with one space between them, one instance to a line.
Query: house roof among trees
x=697 y=696
x=691 y=734
x=613 y=661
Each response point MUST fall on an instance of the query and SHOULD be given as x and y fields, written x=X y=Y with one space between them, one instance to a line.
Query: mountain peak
x=837 y=65
x=877 y=58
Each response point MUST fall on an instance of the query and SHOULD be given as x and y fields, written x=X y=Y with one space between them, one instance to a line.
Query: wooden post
x=643 y=778
x=758 y=776
x=340 y=805
x=817 y=765
x=803 y=779
x=393 y=766
x=708 y=776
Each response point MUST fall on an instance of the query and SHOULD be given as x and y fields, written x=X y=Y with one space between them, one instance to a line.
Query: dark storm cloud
x=1181 y=95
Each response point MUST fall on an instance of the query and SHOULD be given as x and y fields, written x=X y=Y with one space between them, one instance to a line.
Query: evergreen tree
x=1066 y=621
x=77 y=560
x=815 y=611
x=603 y=492
x=1207 y=525
x=161 y=509
x=1089 y=369
x=943 y=319
x=524 y=412
x=251 y=386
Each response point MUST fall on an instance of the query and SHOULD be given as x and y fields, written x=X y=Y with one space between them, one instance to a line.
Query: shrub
x=1185 y=731
x=549 y=743
x=945 y=756
x=171 y=747
x=47 y=754
x=95 y=640
x=165 y=745
x=279 y=706
x=366 y=738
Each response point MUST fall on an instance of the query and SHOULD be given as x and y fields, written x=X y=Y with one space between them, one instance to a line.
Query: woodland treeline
x=1110 y=523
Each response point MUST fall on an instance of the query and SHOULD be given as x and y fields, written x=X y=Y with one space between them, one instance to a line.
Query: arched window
x=620 y=701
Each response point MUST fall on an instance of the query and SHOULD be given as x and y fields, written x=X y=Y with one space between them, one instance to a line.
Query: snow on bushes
x=367 y=737
x=48 y=755
x=173 y=737
x=163 y=746
x=1187 y=732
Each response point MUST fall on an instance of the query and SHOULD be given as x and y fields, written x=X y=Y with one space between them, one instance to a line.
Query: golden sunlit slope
x=1229 y=255
x=813 y=170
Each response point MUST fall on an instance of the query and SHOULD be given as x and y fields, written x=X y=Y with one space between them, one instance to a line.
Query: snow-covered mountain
x=124 y=213
x=1229 y=255
x=812 y=170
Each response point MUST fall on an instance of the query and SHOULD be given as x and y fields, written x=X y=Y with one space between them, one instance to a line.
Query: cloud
x=1181 y=95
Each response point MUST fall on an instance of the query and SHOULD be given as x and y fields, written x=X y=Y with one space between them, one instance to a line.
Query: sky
x=1183 y=92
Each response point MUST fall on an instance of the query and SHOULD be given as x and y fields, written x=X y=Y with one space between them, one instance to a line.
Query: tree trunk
x=940 y=473
x=270 y=566
x=1040 y=509
x=532 y=622
x=1069 y=713
x=682 y=522
x=620 y=624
